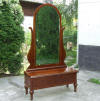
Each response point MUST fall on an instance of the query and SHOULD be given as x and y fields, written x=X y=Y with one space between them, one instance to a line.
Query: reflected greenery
x=47 y=36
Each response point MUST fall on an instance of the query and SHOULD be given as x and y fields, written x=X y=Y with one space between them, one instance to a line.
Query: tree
x=11 y=36
x=69 y=12
x=49 y=1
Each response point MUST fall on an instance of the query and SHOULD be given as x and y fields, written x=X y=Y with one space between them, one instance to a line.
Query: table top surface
x=50 y=72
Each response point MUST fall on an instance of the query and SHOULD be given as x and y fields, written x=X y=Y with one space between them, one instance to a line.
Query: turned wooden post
x=67 y=85
x=31 y=94
x=75 y=87
x=26 y=89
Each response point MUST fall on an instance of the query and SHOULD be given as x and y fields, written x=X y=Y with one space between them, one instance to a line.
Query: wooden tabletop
x=49 y=72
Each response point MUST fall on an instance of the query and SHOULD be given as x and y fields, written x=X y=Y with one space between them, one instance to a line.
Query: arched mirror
x=47 y=36
x=47 y=48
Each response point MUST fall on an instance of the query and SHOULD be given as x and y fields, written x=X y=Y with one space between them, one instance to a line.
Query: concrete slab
x=11 y=89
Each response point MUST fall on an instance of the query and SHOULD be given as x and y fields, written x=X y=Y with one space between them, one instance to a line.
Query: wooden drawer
x=53 y=80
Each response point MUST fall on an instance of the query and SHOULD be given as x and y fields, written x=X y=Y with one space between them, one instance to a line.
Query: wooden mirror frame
x=50 y=74
x=32 y=52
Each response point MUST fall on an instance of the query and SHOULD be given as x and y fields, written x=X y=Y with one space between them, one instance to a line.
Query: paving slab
x=12 y=89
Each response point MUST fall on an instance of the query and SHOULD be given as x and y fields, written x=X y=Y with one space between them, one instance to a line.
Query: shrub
x=11 y=36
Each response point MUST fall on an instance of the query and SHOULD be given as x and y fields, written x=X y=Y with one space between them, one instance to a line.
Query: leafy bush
x=28 y=38
x=26 y=45
x=69 y=20
x=69 y=14
x=71 y=57
x=11 y=36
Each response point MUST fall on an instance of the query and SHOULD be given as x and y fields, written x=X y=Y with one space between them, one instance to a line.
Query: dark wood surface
x=49 y=75
x=32 y=52
x=49 y=72
x=29 y=7
x=49 y=78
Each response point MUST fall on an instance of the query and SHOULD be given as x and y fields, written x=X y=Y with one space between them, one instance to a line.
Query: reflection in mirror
x=47 y=36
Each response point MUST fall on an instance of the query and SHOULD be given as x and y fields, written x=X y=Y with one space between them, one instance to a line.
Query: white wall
x=89 y=22
x=28 y=22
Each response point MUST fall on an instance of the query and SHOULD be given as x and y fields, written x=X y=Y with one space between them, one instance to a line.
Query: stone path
x=11 y=89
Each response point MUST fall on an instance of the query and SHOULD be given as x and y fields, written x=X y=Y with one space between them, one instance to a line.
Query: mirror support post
x=31 y=29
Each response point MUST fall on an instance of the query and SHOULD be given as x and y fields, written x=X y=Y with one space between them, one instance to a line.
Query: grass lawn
x=94 y=80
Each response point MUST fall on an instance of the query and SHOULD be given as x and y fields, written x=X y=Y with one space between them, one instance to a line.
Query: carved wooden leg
x=67 y=85
x=31 y=94
x=26 y=89
x=75 y=87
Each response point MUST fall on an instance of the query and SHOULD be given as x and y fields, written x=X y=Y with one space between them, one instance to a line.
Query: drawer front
x=53 y=80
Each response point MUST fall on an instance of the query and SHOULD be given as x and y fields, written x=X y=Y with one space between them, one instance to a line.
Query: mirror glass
x=47 y=36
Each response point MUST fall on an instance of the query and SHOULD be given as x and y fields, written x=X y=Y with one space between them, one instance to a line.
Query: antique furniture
x=46 y=55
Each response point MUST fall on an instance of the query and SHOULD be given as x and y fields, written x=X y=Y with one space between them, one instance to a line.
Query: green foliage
x=47 y=34
x=71 y=62
x=71 y=57
x=74 y=40
x=93 y=80
x=70 y=36
x=27 y=38
x=11 y=36
x=26 y=45
x=69 y=14
x=71 y=53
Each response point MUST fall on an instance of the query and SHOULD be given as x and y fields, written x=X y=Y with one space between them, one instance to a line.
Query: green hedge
x=11 y=36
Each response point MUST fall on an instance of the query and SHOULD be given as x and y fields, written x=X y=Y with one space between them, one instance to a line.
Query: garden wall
x=89 y=57
x=89 y=34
